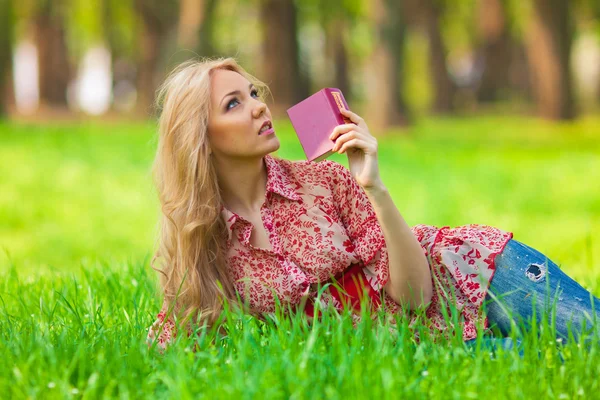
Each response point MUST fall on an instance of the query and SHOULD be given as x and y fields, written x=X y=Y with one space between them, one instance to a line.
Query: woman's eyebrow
x=250 y=86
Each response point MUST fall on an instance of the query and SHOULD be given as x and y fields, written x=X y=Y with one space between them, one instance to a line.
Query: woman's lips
x=267 y=132
x=266 y=125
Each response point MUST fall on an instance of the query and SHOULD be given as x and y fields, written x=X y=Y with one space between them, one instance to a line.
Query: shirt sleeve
x=162 y=331
x=359 y=219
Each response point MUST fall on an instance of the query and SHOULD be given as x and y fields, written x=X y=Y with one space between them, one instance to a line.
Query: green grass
x=78 y=220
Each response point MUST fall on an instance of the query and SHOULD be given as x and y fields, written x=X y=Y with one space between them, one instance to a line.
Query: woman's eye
x=254 y=92
x=231 y=101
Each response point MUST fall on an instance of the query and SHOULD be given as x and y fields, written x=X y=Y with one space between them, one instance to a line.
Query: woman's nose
x=259 y=109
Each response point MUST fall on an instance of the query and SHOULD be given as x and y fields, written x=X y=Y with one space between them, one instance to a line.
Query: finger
x=341 y=129
x=353 y=116
x=344 y=138
x=371 y=141
x=353 y=144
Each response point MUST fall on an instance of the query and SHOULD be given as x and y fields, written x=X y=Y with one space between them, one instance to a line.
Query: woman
x=237 y=221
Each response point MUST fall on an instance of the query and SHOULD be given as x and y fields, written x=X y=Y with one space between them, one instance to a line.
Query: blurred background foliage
x=396 y=60
x=486 y=111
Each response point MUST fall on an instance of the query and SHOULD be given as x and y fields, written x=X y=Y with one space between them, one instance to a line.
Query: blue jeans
x=526 y=281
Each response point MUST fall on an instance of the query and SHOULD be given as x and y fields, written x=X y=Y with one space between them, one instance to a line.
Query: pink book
x=313 y=120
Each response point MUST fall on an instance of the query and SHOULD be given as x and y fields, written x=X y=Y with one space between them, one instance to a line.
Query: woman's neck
x=243 y=183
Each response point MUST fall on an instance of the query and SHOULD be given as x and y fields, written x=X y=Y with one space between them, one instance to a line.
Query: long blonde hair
x=192 y=233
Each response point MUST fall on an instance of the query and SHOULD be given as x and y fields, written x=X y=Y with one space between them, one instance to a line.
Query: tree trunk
x=147 y=79
x=190 y=17
x=549 y=40
x=337 y=53
x=395 y=41
x=196 y=26
x=519 y=74
x=384 y=76
x=54 y=68
x=115 y=47
x=206 y=40
x=444 y=88
x=158 y=18
x=495 y=52
x=6 y=38
x=281 y=61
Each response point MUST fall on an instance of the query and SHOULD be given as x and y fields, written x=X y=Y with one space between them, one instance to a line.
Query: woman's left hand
x=361 y=148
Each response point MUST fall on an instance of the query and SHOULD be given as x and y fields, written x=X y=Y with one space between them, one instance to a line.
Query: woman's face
x=236 y=118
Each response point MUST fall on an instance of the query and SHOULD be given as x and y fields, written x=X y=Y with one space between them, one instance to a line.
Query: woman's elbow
x=421 y=301
x=410 y=300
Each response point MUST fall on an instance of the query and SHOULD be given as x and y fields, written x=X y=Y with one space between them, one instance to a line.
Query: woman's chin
x=273 y=144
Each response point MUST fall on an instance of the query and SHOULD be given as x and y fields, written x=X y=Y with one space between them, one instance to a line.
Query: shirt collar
x=278 y=181
x=230 y=218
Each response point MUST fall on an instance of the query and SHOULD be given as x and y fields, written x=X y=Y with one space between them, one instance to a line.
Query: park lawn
x=78 y=220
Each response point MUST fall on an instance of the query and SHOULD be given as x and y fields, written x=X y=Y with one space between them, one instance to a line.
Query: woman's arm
x=410 y=276
x=410 y=282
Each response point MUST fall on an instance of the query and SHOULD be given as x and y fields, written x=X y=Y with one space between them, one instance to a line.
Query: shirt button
x=280 y=257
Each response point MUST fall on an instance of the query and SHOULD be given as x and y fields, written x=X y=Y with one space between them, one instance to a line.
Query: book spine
x=338 y=103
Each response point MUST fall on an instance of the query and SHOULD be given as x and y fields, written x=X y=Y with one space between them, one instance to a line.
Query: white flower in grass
x=51 y=385
x=425 y=373
x=74 y=391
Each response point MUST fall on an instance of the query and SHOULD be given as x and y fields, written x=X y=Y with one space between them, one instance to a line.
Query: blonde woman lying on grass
x=238 y=222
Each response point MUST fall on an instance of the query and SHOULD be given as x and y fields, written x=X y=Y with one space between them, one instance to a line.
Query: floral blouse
x=320 y=222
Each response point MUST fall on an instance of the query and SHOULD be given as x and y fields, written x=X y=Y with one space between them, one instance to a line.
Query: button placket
x=267 y=218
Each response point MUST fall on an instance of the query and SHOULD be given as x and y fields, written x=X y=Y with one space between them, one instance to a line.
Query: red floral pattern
x=164 y=332
x=320 y=222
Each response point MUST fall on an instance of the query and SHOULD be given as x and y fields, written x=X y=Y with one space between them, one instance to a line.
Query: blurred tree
x=586 y=14
x=196 y=26
x=117 y=18
x=206 y=41
x=516 y=19
x=335 y=46
x=118 y=27
x=495 y=50
x=6 y=41
x=324 y=28
x=281 y=62
x=53 y=59
x=190 y=14
x=335 y=17
x=444 y=88
x=385 y=103
x=158 y=20
x=594 y=7
x=549 y=40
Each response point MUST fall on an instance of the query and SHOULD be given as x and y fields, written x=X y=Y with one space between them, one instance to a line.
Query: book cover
x=314 y=118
